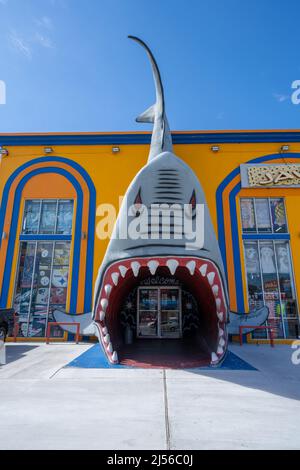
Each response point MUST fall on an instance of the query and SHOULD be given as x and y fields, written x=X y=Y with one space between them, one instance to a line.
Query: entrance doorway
x=159 y=312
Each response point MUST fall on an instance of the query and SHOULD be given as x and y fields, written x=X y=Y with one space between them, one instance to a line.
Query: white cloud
x=20 y=44
x=43 y=41
x=280 y=97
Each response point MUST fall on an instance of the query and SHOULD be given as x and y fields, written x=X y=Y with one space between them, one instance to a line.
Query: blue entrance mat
x=95 y=359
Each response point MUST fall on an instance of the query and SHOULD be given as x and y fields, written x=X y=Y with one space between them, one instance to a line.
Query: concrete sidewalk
x=46 y=406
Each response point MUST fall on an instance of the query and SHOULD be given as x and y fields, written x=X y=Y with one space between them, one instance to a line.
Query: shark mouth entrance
x=200 y=276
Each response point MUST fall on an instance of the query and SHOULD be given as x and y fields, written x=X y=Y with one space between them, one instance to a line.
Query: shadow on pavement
x=15 y=352
x=274 y=373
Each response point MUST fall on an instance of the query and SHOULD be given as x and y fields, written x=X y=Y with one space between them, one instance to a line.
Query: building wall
x=93 y=174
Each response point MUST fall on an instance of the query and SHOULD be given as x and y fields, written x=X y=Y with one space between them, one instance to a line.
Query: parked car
x=6 y=323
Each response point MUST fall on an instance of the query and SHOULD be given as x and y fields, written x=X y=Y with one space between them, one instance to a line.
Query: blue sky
x=226 y=64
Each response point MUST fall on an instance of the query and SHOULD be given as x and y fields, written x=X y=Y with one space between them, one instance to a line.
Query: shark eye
x=138 y=199
x=193 y=201
x=190 y=208
x=138 y=203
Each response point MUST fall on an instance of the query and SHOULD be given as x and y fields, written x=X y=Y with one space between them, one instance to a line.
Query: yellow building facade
x=52 y=185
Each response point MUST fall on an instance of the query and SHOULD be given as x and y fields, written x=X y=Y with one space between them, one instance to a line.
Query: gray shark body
x=162 y=247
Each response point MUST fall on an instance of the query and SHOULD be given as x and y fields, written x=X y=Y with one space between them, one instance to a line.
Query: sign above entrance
x=266 y=176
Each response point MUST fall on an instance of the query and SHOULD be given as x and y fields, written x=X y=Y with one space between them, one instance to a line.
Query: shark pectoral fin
x=86 y=328
x=148 y=115
x=253 y=319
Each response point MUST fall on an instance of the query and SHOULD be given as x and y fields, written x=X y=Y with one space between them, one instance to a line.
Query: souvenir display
x=41 y=262
x=39 y=310
x=252 y=261
x=48 y=217
x=31 y=217
x=27 y=270
x=283 y=258
x=262 y=215
x=278 y=216
x=60 y=277
x=23 y=329
x=248 y=215
x=36 y=328
x=64 y=217
x=58 y=295
x=42 y=296
x=267 y=259
x=270 y=282
x=61 y=254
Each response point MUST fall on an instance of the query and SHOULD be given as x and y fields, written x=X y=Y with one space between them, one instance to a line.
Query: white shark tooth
x=203 y=269
x=135 y=266
x=115 y=278
x=115 y=357
x=214 y=357
x=221 y=332
x=104 y=331
x=110 y=348
x=102 y=315
x=222 y=342
x=107 y=289
x=123 y=270
x=172 y=265
x=218 y=303
x=220 y=316
x=220 y=350
x=215 y=289
x=211 y=277
x=107 y=339
x=153 y=265
x=104 y=304
x=191 y=265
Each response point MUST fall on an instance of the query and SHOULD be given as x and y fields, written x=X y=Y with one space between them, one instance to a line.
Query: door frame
x=159 y=335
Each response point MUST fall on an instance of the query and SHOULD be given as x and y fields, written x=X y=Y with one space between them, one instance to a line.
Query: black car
x=6 y=323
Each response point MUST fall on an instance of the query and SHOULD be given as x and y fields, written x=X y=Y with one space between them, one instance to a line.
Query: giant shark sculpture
x=165 y=179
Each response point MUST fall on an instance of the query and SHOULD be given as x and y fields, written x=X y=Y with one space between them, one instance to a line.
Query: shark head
x=163 y=228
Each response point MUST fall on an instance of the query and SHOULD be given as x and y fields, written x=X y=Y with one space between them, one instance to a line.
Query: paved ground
x=43 y=405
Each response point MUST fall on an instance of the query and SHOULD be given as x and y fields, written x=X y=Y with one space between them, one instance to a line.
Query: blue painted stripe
x=45 y=237
x=233 y=216
x=220 y=215
x=13 y=230
x=91 y=217
x=266 y=236
x=235 y=248
x=145 y=138
x=90 y=251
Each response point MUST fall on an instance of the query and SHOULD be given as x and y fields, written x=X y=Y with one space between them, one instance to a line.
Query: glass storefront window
x=31 y=217
x=270 y=282
x=43 y=270
x=254 y=281
x=159 y=312
x=48 y=217
x=41 y=285
x=278 y=215
x=262 y=211
x=248 y=215
x=64 y=217
x=263 y=215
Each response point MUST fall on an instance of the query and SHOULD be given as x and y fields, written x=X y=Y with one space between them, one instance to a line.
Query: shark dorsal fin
x=161 y=136
x=148 y=115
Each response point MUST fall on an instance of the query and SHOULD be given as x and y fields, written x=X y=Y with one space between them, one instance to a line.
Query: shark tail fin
x=147 y=116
